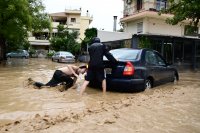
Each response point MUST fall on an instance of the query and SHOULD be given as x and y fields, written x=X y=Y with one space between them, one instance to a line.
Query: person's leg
x=54 y=81
x=83 y=87
x=67 y=79
x=104 y=85
x=89 y=76
x=101 y=78
x=38 y=84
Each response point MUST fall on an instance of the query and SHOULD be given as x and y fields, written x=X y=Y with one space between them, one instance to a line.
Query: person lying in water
x=66 y=75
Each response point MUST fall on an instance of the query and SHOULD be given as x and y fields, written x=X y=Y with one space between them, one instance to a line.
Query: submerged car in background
x=18 y=54
x=63 y=56
x=138 y=69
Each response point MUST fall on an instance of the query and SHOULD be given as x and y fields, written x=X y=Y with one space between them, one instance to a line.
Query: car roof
x=63 y=52
x=142 y=49
x=126 y=49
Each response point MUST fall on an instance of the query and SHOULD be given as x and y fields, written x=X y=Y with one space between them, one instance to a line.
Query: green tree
x=17 y=18
x=183 y=10
x=65 y=40
x=144 y=42
x=89 y=34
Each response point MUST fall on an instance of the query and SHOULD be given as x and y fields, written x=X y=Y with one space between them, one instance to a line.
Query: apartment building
x=72 y=19
x=177 y=44
x=141 y=16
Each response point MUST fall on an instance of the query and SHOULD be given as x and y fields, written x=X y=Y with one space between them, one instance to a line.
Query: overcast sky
x=101 y=10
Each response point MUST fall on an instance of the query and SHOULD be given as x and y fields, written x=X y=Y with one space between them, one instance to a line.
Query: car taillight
x=129 y=69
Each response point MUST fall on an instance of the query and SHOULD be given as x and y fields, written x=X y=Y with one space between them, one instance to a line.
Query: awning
x=39 y=43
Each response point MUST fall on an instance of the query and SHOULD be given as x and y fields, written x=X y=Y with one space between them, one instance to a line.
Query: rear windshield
x=125 y=54
x=67 y=54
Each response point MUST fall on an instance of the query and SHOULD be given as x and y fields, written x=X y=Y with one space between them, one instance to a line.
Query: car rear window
x=125 y=54
x=67 y=54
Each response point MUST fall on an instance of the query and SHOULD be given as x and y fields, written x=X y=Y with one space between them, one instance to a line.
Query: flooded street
x=170 y=108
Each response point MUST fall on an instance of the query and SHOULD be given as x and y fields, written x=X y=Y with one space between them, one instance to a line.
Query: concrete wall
x=158 y=26
x=85 y=22
x=155 y=26
x=107 y=36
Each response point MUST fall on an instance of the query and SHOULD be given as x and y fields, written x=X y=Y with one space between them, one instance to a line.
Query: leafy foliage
x=65 y=40
x=17 y=18
x=144 y=42
x=40 y=19
x=89 y=34
x=183 y=10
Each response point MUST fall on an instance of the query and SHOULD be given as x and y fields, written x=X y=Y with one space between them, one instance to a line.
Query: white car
x=63 y=56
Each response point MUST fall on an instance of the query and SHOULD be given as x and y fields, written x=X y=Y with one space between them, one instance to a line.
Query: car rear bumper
x=126 y=84
x=67 y=60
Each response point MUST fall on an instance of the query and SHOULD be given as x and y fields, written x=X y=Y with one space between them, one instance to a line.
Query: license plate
x=108 y=70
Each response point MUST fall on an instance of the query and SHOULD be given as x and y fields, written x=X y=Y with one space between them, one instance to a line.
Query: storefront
x=184 y=52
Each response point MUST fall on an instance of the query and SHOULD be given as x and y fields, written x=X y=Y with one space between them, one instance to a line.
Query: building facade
x=72 y=19
x=141 y=17
x=176 y=43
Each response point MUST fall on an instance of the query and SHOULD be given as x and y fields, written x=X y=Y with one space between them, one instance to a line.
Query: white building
x=176 y=43
x=72 y=19
x=141 y=17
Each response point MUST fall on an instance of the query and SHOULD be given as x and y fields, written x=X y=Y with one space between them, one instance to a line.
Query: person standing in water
x=96 y=67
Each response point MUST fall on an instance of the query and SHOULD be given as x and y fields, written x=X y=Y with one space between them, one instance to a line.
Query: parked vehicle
x=138 y=69
x=84 y=58
x=18 y=54
x=63 y=56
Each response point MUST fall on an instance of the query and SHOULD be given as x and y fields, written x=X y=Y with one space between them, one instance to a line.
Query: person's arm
x=74 y=84
x=109 y=55
x=72 y=68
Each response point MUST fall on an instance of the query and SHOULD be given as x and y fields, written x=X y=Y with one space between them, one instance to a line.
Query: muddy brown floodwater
x=170 y=108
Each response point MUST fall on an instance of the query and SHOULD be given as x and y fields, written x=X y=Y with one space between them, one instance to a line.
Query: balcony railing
x=69 y=25
x=153 y=6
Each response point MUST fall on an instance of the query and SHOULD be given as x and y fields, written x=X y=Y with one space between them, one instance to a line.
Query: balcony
x=69 y=25
x=146 y=6
x=73 y=25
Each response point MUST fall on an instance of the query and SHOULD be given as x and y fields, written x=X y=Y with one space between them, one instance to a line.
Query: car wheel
x=148 y=84
x=52 y=59
x=23 y=57
x=58 y=60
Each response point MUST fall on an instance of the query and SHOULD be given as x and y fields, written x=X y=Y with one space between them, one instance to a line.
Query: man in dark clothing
x=96 y=67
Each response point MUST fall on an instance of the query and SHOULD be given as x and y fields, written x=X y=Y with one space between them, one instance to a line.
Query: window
x=140 y=27
x=191 y=30
x=154 y=59
x=161 y=4
x=160 y=61
x=139 y=4
x=125 y=54
x=150 y=58
x=73 y=20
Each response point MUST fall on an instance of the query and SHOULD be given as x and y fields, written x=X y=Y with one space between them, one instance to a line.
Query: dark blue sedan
x=138 y=69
